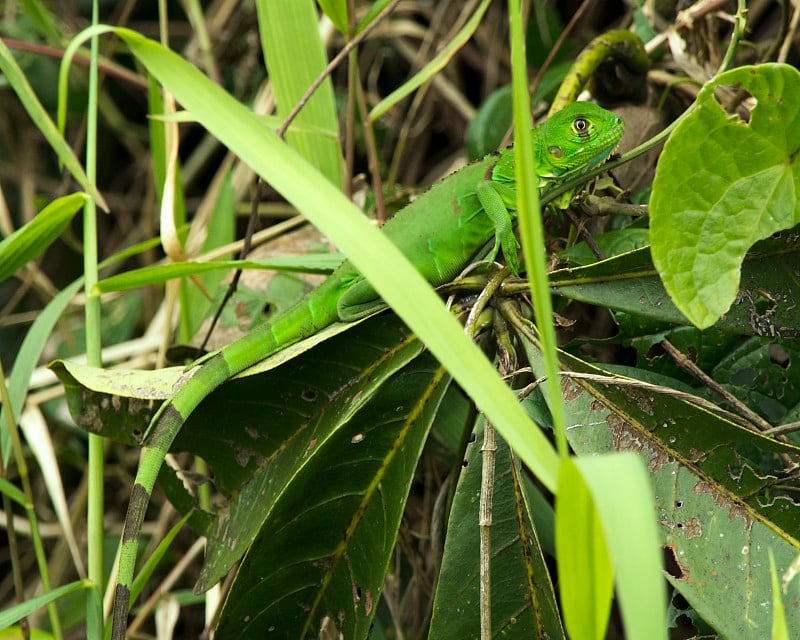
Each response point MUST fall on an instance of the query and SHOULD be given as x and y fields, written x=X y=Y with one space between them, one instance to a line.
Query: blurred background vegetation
x=463 y=113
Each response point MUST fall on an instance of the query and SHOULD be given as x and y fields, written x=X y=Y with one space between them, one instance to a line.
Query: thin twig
x=587 y=237
x=632 y=383
x=696 y=372
x=488 y=458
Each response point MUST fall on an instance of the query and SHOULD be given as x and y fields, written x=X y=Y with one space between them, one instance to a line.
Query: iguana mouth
x=605 y=157
x=612 y=155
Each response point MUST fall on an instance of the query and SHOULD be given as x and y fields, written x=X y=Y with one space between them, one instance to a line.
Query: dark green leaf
x=723 y=496
x=258 y=442
x=522 y=596
x=323 y=546
x=630 y=283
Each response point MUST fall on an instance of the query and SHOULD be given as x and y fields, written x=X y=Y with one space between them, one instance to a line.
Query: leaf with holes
x=722 y=184
x=724 y=494
x=765 y=304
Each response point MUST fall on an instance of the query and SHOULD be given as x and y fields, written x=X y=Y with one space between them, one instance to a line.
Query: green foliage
x=490 y=124
x=722 y=184
x=779 y=628
x=586 y=576
x=336 y=10
x=522 y=593
x=493 y=118
x=435 y=65
x=327 y=461
x=29 y=241
x=714 y=492
x=292 y=69
x=16 y=78
x=15 y=614
x=359 y=475
x=315 y=263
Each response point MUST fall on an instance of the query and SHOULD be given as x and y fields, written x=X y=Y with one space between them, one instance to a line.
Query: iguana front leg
x=496 y=200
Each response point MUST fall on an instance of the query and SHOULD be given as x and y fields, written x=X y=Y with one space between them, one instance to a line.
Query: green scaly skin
x=441 y=232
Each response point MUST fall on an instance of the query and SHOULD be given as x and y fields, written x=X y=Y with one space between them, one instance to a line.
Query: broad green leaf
x=324 y=547
x=30 y=240
x=630 y=283
x=718 y=501
x=722 y=184
x=585 y=574
x=285 y=434
x=523 y=603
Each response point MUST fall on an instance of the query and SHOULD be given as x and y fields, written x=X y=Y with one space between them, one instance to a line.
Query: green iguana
x=440 y=233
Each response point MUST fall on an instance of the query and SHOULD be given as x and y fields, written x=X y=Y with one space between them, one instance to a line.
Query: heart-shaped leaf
x=721 y=185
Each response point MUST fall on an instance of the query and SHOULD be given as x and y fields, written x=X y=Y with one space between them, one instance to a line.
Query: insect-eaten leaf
x=722 y=184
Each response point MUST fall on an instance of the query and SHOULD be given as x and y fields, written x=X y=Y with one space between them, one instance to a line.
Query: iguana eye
x=580 y=125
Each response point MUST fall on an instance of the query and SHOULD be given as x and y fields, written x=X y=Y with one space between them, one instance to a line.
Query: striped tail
x=304 y=319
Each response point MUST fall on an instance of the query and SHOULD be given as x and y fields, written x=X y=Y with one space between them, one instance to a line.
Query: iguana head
x=581 y=136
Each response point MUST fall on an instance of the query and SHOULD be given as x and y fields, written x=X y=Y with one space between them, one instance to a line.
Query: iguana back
x=440 y=233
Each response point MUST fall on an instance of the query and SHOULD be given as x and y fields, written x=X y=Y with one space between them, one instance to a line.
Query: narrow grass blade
x=32 y=239
x=16 y=613
x=434 y=66
x=16 y=78
x=623 y=497
x=292 y=70
x=585 y=574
